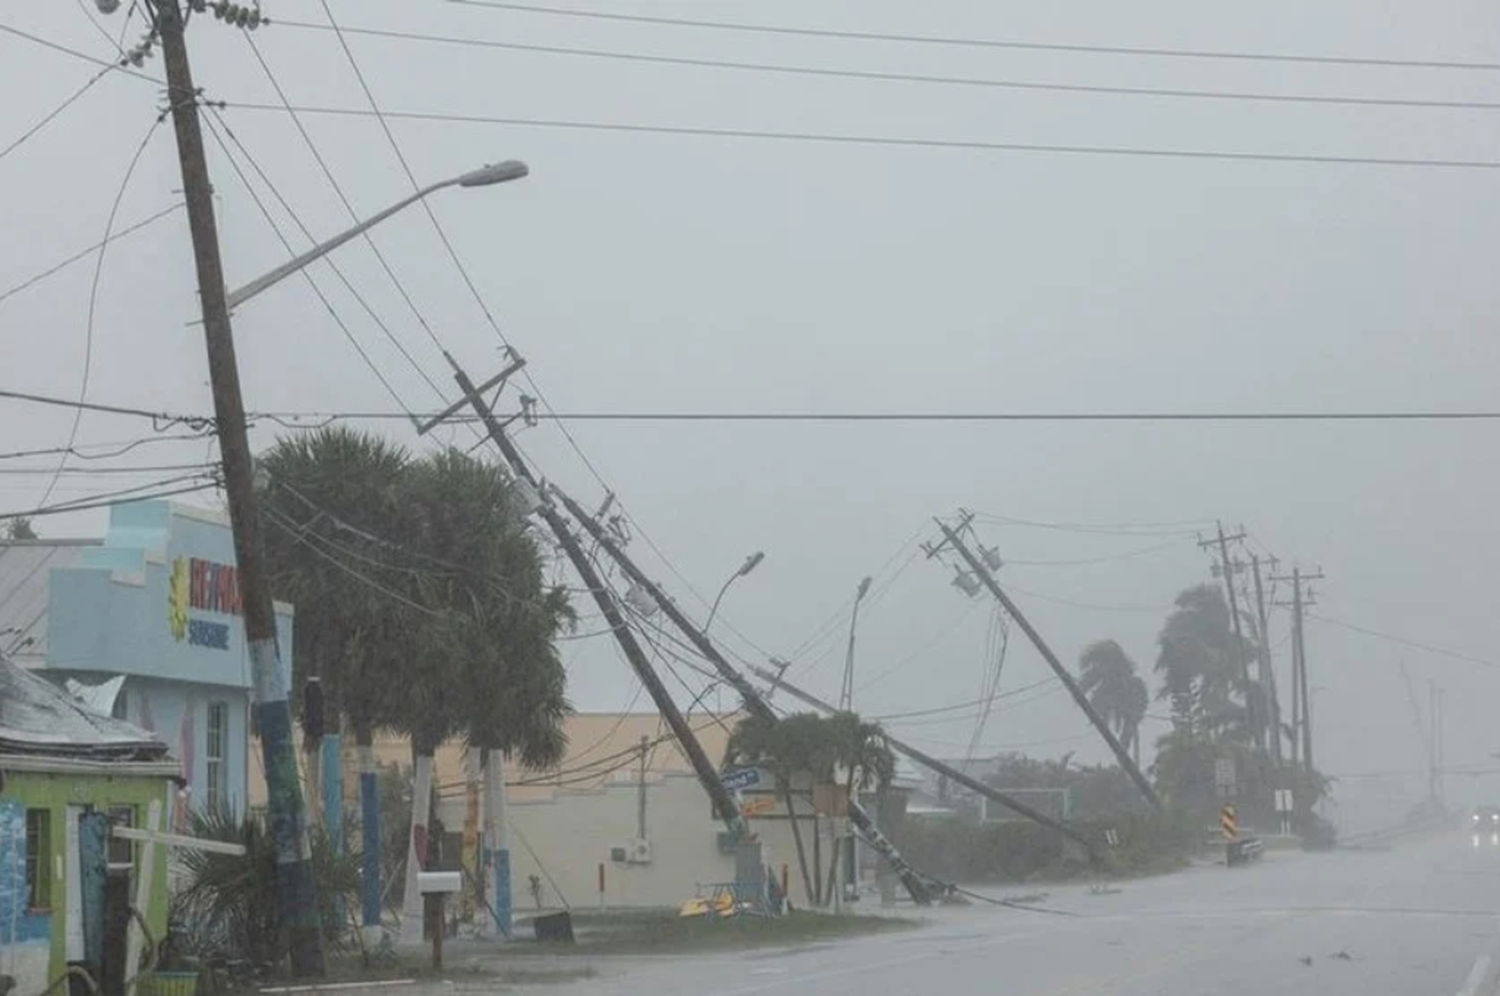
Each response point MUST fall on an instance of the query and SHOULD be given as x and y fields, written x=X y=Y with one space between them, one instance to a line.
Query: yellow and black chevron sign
x=1229 y=821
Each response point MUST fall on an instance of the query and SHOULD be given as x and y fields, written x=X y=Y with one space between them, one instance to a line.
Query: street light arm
x=317 y=252
x=717 y=599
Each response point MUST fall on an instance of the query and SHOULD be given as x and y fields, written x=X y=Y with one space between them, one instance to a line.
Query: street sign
x=740 y=778
x=1224 y=772
x=1284 y=800
x=1229 y=821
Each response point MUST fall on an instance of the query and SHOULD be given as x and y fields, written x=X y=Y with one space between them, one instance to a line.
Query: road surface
x=1422 y=917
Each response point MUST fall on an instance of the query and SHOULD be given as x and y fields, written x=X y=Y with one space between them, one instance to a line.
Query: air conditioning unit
x=638 y=852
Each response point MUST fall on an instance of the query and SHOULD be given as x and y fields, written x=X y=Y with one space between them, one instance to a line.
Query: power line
x=110 y=499
x=955 y=41
x=923 y=78
x=327 y=304
x=1090 y=605
x=891 y=141
x=80 y=55
x=1127 y=555
x=38 y=278
x=1180 y=527
x=88 y=340
x=84 y=471
x=354 y=216
x=163 y=418
x=115 y=449
x=1403 y=641
x=53 y=114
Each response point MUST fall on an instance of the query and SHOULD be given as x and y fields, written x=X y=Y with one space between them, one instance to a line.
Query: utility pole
x=983 y=573
x=640 y=799
x=1227 y=567
x=1267 y=672
x=916 y=884
x=1435 y=752
x=296 y=889
x=1302 y=702
x=708 y=775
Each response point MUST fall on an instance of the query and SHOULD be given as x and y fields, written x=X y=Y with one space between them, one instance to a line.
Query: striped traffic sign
x=1229 y=821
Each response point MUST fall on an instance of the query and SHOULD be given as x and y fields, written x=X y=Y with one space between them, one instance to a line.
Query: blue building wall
x=158 y=602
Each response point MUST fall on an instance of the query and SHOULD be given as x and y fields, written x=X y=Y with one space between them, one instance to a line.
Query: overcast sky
x=640 y=271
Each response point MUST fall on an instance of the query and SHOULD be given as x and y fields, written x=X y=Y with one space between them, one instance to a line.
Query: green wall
x=55 y=792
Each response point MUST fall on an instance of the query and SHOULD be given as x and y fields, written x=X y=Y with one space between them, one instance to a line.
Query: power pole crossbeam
x=708 y=775
x=1063 y=675
x=296 y=889
x=754 y=702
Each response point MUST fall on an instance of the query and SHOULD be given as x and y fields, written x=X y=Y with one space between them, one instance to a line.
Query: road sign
x=1284 y=800
x=1112 y=837
x=740 y=778
x=756 y=805
x=1229 y=821
x=1224 y=772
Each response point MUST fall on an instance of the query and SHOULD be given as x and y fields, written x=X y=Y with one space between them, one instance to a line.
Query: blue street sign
x=740 y=778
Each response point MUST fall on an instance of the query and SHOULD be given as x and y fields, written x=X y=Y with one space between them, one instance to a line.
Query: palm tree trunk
x=838 y=855
x=496 y=840
x=417 y=846
x=369 y=809
x=473 y=881
x=791 y=812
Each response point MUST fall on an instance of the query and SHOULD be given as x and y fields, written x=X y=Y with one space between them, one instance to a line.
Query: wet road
x=1421 y=917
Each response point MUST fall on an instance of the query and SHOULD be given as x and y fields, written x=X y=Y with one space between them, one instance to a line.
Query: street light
x=751 y=562
x=846 y=694
x=511 y=169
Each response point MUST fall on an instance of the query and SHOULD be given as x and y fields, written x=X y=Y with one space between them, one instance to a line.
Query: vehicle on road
x=1486 y=818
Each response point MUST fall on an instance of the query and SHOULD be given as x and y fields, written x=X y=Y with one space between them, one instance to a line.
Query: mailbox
x=438 y=883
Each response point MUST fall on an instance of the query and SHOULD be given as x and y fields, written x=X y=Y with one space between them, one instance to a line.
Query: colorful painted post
x=369 y=811
x=497 y=840
x=332 y=774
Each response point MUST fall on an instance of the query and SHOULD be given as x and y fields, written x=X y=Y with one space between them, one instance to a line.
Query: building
x=156 y=604
x=67 y=774
x=625 y=798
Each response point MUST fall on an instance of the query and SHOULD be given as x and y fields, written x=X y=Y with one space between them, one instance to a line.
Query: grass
x=664 y=932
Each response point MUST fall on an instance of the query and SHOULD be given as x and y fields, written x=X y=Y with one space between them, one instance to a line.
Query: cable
x=1163 y=609
x=1407 y=415
x=34 y=129
x=980 y=42
x=1156 y=548
x=943 y=630
x=1180 y=527
x=869 y=75
x=116 y=448
x=88 y=341
x=328 y=305
x=80 y=471
x=353 y=215
x=84 y=8
x=166 y=418
x=80 y=55
x=1403 y=641
x=80 y=506
x=961 y=705
x=891 y=141
x=32 y=281
x=301 y=534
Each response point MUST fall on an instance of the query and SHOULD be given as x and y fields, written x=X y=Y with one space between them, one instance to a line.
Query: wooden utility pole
x=296 y=888
x=1267 y=672
x=708 y=775
x=1227 y=567
x=916 y=884
x=988 y=580
x=1302 y=701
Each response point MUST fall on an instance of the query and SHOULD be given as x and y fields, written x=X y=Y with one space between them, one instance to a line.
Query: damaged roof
x=38 y=718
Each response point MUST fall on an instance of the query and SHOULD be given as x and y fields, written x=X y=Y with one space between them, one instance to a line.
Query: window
x=218 y=741
x=38 y=859
x=120 y=853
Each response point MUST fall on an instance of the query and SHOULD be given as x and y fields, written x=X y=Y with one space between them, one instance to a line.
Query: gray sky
x=653 y=272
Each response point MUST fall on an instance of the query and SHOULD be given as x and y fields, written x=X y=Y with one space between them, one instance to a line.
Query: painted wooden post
x=93 y=834
x=369 y=819
x=147 y=872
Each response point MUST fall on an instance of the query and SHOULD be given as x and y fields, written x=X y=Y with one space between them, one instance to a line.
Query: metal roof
x=38 y=718
x=25 y=568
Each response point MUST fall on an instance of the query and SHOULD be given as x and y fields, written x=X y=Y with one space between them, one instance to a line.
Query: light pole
x=750 y=564
x=846 y=694
x=370 y=897
x=511 y=169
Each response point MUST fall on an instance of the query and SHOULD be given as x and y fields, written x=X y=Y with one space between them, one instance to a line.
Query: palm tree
x=779 y=745
x=1108 y=677
x=1201 y=663
x=861 y=752
x=327 y=494
x=490 y=670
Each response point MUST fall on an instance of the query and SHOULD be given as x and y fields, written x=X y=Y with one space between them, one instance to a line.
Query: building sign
x=202 y=586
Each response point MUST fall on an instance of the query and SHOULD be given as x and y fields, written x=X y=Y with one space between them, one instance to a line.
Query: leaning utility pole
x=296 y=889
x=916 y=884
x=984 y=575
x=1267 y=672
x=1227 y=566
x=708 y=775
